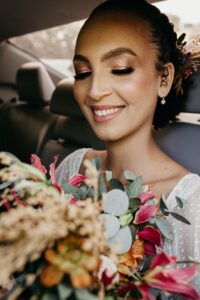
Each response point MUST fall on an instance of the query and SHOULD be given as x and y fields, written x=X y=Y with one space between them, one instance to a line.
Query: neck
x=137 y=153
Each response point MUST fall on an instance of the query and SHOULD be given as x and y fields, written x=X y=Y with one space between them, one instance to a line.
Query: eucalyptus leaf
x=133 y=231
x=83 y=191
x=6 y=184
x=111 y=223
x=122 y=240
x=69 y=189
x=115 y=202
x=98 y=162
x=90 y=192
x=64 y=291
x=179 y=201
x=108 y=175
x=180 y=218
x=116 y=184
x=84 y=294
x=134 y=204
x=163 y=206
x=165 y=227
x=125 y=219
x=129 y=175
x=135 y=187
x=102 y=185
x=49 y=296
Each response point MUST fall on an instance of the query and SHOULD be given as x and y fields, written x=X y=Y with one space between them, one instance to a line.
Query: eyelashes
x=119 y=72
x=122 y=71
x=81 y=76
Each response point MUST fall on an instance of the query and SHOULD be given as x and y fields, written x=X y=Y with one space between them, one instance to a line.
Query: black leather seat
x=71 y=130
x=27 y=124
x=181 y=140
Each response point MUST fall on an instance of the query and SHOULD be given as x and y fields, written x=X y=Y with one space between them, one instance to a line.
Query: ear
x=166 y=80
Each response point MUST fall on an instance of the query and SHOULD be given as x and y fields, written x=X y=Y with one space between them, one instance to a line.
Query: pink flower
x=76 y=180
x=162 y=259
x=52 y=170
x=36 y=162
x=144 y=213
x=145 y=196
x=171 y=280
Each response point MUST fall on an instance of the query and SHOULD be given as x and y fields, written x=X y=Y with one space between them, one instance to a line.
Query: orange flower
x=131 y=260
x=51 y=276
x=80 y=278
x=70 y=259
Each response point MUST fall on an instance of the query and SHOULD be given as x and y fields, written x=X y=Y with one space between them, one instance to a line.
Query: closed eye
x=83 y=75
x=122 y=71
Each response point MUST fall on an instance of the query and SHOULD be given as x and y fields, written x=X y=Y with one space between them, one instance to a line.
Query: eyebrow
x=107 y=55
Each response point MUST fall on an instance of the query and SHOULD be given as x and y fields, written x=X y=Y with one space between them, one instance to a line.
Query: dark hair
x=165 y=38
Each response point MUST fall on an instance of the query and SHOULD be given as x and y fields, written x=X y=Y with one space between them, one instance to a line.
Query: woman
x=127 y=63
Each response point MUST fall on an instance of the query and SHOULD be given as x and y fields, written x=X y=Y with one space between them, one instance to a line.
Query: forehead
x=112 y=30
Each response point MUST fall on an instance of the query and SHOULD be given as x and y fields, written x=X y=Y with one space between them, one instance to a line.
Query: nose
x=99 y=88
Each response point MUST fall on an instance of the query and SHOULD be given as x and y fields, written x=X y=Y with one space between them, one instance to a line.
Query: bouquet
x=92 y=238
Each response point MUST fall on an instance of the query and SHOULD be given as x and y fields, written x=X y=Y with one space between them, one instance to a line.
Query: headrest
x=192 y=104
x=63 y=102
x=34 y=83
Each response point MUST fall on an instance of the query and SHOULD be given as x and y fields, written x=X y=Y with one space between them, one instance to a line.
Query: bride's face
x=116 y=81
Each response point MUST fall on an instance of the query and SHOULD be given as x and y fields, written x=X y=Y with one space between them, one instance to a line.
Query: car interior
x=38 y=112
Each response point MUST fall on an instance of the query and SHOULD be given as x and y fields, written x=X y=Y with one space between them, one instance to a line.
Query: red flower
x=144 y=213
x=76 y=180
x=151 y=237
x=150 y=234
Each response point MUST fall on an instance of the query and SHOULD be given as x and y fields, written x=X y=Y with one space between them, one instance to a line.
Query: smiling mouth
x=105 y=113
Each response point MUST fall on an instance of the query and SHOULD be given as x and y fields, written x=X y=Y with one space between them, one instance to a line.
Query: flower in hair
x=189 y=60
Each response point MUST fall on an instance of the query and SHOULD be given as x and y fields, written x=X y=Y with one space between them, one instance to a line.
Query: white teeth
x=106 y=112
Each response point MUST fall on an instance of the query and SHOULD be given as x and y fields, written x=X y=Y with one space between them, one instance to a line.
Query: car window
x=54 y=46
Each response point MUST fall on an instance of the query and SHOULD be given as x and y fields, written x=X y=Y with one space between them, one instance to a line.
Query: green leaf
x=108 y=175
x=163 y=206
x=134 y=204
x=64 y=291
x=135 y=188
x=179 y=202
x=49 y=296
x=125 y=219
x=69 y=189
x=116 y=184
x=133 y=231
x=83 y=191
x=165 y=227
x=129 y=175
x=98 y=162
x=180 y=218
x=84 y=294
x=102 y=185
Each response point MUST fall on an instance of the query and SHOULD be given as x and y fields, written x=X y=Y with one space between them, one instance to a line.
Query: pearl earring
x=163 y=101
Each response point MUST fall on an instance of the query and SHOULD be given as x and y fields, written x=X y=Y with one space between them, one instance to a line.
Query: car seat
x=181 y=139
x=27 y=124
x=71 y=130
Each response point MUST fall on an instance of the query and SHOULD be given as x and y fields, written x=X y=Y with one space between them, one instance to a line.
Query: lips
x=106 y=112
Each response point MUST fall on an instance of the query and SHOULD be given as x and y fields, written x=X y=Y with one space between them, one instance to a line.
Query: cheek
x=79 y=92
